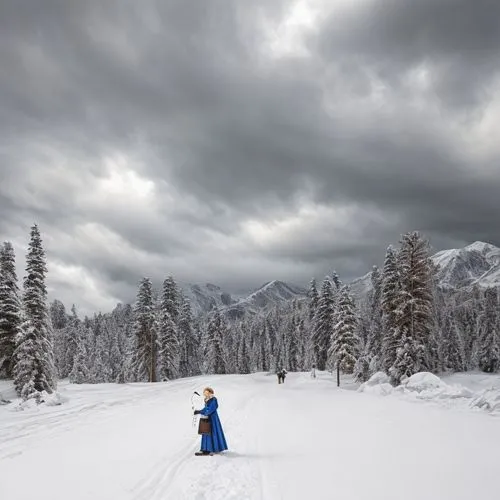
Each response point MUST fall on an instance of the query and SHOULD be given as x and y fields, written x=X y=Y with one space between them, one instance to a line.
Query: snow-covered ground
x=304 y=439
x=476 y=391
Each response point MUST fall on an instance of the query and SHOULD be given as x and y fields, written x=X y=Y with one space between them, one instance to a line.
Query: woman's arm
x=211 y=406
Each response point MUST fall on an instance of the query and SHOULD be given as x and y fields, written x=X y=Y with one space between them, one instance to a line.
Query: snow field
x=304 y=439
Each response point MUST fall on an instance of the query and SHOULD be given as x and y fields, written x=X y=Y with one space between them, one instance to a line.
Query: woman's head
x=208 y=392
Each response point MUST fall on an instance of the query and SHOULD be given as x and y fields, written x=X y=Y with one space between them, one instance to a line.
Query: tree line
x=407 y=323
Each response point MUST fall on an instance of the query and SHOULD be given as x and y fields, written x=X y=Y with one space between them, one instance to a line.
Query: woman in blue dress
x=215 y=442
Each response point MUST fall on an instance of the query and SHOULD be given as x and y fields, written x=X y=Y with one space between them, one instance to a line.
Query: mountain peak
x=476 y=264
x=481 y=246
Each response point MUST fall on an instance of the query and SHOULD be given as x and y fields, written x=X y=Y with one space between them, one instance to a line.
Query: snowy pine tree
x=489 y=350
x=171 y=299
x=65 y=344
x=215 y=361
x=313 y=299
x=80 y=371
x=34 y=369
x=467 y=319
x=188 y=342
x=10 y=309
x=244 y=358
x=101 y=371
x=293 y=338
x=168 y=340
x=452 y=349
x=168 y=347
x=145 y=352
x=344 y=348
x=58 y=315
x=389 y=302
x=375 y=339
x=415 y=308
x=323 y=325
x=336 y=282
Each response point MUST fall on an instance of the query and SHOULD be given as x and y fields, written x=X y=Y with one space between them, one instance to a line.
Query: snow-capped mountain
x=273 y=292
x=205 y=297
x=458 y=269
x=268 y=295
x=476 y=264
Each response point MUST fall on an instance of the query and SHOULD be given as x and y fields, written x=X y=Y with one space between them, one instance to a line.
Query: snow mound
x=423 y=381
x=425 y=385
x=38 y=399
x=429 y=387
x=377 y=384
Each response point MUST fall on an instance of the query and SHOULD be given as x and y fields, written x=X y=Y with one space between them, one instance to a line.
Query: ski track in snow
x=226 y=476
x=304 y=439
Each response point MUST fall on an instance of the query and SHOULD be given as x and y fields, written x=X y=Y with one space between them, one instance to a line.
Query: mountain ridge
x=458 y=268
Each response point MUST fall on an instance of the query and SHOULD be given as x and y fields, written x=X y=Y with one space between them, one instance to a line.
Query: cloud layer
x=244 y=141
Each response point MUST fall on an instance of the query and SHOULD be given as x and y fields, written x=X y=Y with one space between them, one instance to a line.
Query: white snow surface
x=461 y=391
x=303 y=439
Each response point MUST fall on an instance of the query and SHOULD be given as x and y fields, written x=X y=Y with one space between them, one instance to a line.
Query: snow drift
x=429 y=387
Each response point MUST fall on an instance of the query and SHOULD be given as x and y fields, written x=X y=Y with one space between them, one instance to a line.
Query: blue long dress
x=214 y=442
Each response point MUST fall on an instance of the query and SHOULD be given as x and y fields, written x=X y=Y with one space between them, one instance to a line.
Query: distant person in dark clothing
x=281 y=376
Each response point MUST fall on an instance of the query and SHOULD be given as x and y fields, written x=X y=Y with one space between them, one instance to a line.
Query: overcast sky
x=241 y=141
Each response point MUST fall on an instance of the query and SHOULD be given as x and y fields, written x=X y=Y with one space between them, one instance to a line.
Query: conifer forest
x=407 y=322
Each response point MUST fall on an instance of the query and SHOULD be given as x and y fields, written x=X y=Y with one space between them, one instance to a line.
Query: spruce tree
x=117 y=348
x=101 y=371
x=65 y=345
x=415 y=307
x=374 y=345
x=168 y=347
x=171 y=299
x=170 y=354
x=477 y=304
x=313 y=299
x=323 y=325
x=389 y=301
x=344 y=348
x=58 y=315
x=244 y=357
x=467 y=317
x=34 y=356
x=452 y=348
x=336 y=281
x=145 y=333
x=303 y=351
x=215 y=360
x=293 y=339
x=80 y=371
x=188 y=342
x=10 y=309
x=489 y=350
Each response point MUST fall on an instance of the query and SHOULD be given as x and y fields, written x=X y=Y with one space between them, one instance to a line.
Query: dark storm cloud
x=157 y=137
x=459 y=37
